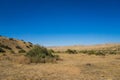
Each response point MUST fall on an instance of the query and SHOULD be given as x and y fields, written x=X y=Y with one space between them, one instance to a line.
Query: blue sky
x=61 y=22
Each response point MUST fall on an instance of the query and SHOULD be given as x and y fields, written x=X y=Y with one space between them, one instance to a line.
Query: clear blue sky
x=61 y=22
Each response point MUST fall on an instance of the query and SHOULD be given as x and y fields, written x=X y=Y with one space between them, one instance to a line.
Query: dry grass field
x=14 y=65
x=71 y=67
x=83 y=47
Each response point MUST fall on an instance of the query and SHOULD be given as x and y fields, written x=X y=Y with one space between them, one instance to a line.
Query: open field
x=96 y=62
x=84 y=47
x=72 y=67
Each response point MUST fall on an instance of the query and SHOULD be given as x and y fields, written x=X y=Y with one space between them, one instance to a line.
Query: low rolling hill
x=11 y=45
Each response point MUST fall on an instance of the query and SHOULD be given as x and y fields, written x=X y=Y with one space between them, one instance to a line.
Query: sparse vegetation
x=83 y=51
x=15 y=64
x=12 y=52
x=14 y=46
x=6 y=47
x=18 y=47
x=71 y=51
x=51 y=51
x=1 y=50
x=21 y=51
x=11 y=38
x=93 y=52
x=23 y=41
x=59 y=52
x=40 y=54
x=30 y=45
x=100 y=52
x=27 y=46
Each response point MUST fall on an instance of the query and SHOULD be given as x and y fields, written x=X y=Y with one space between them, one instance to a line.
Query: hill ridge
x=14 y=45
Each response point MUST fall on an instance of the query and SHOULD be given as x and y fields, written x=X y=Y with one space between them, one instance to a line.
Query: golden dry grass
x=73 y=67
x=13 y=43
x=80 y=47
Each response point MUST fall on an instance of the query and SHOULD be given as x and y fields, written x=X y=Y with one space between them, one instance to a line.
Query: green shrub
x=113 y=52
x=27 y=46
x=30 y=45
x=22 y=51
x=40 y=54
x=51 y=51
x=1 y=50
x=71 y=51
x=83 y=51
x=90 y=52
x=23 y=41
x=18 y=47
x=12 y=52
x=102 y=53
x=11 y=38
x=93 y=52
x=59 y=51
x=6 y=47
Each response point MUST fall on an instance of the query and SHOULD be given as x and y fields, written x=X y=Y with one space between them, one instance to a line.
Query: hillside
x=11 y=45
x=19 y=51
x=39 y=63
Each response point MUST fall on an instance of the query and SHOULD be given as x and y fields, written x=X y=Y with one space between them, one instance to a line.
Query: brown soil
x=73 y=67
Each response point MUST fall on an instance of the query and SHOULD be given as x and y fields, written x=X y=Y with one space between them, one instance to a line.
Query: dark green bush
x=18 y=47
x=30 y=45
x=83 y=51
x=12 y=52
x=57 y=51
x=27 y=46
x=95 y=52
x=40 y=54
x=23 y=41
x=90 y=52
x=1 y=50
x=22 y=51
x=112 y=52
x=71 y=51
x=51 y=51
x=6 y=47
x=100 y=53
x=11 y=38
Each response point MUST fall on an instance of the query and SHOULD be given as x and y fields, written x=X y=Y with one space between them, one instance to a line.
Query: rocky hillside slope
x=11 y=45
